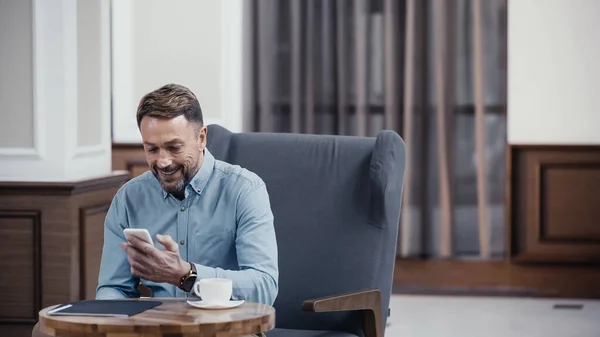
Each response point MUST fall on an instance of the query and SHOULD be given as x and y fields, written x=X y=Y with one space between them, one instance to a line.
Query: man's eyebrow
x=171 y=142
x=174 y=142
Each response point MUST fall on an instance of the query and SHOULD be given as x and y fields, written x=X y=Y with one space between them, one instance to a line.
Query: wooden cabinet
x=554 y=204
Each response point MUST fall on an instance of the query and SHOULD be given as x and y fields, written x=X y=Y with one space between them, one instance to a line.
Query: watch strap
x=191 y=273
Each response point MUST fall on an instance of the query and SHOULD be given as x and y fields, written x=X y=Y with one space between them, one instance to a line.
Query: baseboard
x=500 y=291
x=495 y=278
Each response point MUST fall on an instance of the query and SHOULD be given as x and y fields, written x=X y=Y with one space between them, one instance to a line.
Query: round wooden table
x=174 y=317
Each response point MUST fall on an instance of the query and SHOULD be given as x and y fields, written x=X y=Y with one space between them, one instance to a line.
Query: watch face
x=188 y=283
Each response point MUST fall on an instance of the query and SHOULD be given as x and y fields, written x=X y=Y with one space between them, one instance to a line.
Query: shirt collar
x=199 y=180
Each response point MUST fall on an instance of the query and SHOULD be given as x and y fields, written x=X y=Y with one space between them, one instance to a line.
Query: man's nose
x=164 y=160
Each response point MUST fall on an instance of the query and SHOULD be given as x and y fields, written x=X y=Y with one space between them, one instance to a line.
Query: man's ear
x=202 y=137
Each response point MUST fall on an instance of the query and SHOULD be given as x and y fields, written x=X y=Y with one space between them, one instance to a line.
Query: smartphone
x=140 y=233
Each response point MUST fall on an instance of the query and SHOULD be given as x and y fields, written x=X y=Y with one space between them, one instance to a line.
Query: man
x=209 y=218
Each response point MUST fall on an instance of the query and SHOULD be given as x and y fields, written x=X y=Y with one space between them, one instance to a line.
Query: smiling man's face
x=174 y=151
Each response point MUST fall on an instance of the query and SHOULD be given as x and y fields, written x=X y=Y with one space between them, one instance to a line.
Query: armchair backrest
x=336 y=202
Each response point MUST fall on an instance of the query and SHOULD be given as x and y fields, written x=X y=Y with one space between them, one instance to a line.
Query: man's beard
x=173 y=187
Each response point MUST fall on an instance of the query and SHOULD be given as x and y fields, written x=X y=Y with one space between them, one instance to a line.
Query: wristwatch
x=187 y=281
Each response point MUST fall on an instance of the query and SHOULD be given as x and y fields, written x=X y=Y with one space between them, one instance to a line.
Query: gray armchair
x=336 y=202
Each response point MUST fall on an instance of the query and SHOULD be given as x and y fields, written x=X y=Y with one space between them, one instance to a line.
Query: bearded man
x=210 y=219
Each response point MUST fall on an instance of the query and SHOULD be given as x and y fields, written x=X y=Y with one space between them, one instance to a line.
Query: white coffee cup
x=214 y=290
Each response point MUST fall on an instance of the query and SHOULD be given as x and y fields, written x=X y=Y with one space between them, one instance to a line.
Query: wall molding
x=30 y=153
x=494 y=278
x=90 y=150
x=62 y=187
x=102 y=116
x=38 y=132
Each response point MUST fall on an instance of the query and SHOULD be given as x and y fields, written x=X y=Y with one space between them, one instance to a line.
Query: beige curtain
x=433 y=70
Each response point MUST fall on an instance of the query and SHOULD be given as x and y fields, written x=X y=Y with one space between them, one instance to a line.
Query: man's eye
x=152 y=149
x=174 y=148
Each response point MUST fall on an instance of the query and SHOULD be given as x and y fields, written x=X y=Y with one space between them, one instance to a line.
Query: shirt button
x=182 y=209
x=182 y=242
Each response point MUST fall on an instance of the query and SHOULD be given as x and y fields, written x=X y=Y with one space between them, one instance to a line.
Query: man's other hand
x=152 y=264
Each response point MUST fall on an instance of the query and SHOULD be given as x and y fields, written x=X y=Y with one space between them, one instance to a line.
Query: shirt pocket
x=216 y=249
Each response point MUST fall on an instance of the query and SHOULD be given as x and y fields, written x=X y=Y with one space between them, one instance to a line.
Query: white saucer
x=225 y=305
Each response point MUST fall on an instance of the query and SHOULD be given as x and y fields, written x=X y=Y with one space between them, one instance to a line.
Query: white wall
x=196 y=43
x=54 y=90
x=554 y=72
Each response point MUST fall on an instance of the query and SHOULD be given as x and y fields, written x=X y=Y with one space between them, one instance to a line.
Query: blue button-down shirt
x=224 y=225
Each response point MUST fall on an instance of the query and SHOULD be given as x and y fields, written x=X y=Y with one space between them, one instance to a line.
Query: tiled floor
x=429 y=316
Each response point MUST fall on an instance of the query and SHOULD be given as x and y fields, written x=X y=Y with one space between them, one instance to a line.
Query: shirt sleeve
x=114 y=279
x=256 y=245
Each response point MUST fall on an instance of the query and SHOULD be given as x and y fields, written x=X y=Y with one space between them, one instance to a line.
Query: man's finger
x=137 y=273
x=142 y=259
x=137 y=265
x=132 y=240
x=136 y=260
x=141 y=245
x=168 y=242
x=134 y=252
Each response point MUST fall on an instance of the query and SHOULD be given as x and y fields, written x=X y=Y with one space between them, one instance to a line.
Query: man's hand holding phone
x=150 y=263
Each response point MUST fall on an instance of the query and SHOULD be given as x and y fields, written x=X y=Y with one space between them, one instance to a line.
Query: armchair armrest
x=368 y=301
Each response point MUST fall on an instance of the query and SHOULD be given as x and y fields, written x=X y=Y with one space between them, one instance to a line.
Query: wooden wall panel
x=54 y=223
x=91 y=242
x=569 y=210
x=137 y=168
x=129 y=157
x=553 y=214
x=20 y=284
x=15 y=330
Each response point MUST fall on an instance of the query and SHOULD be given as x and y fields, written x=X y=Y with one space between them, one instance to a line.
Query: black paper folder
x=110 y=308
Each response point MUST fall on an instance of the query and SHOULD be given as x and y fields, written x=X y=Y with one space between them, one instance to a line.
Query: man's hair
x=170 y=101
